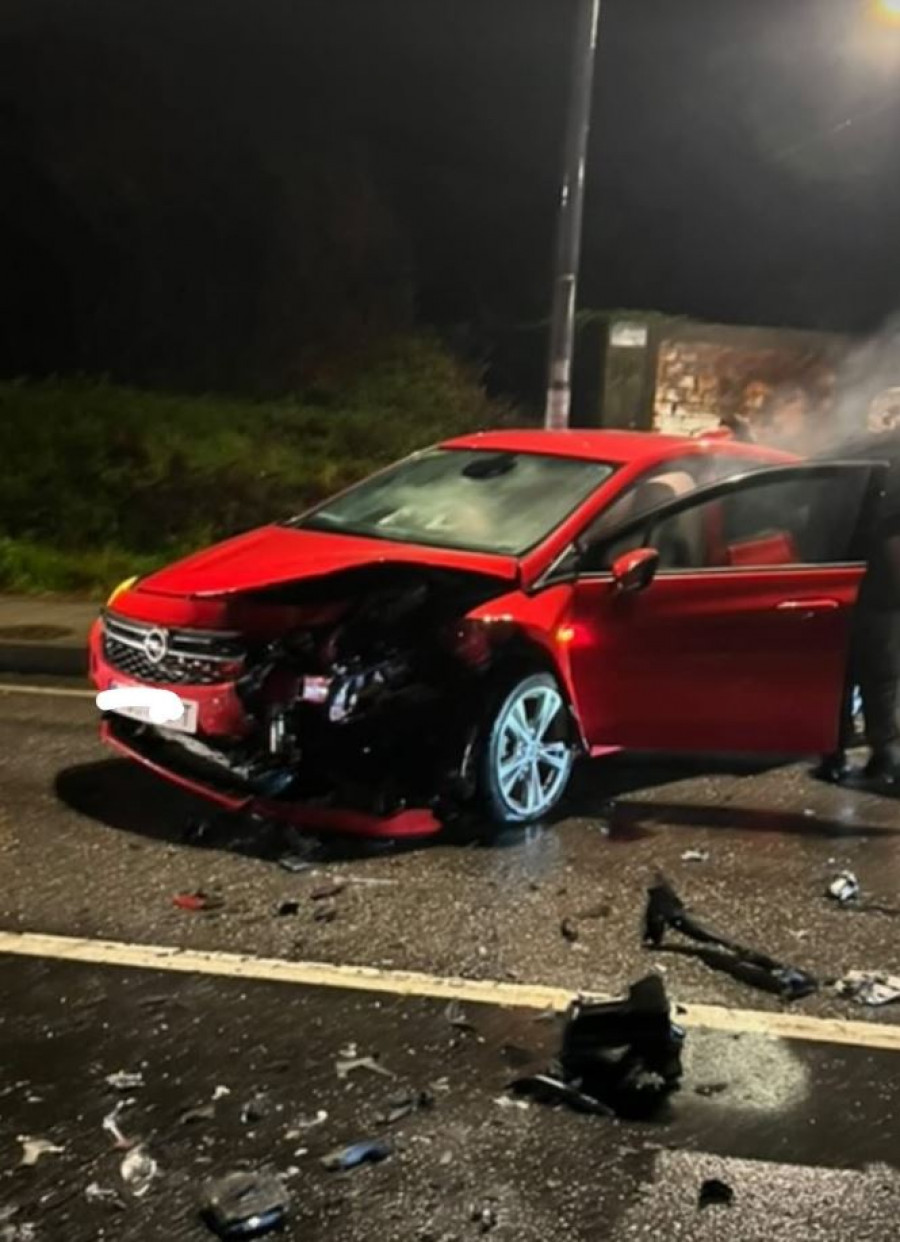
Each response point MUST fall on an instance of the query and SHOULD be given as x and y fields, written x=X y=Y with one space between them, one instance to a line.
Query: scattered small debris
x=287 y=908
x=95 y=1193
x=255 y=1109
x=485 y=1218
x=455 y=1015
x=345 y=1068
x=568 y=930
x=294 y=863
x=401 y=1106
x=111 y=1126
x=244 y=1205
x=713 y=1192
x=125 y=1080
x=504 y=1101
x=34 y=1148
x=325 y=914
x=618 y=1058
x=665 y=911
x=370 y=1151
x=220 y=1093
x=303 y=1124
x=25 y=1232
x=709 y=1089
x=870 y=988
x=190 y=1116
x=197 y=901
x=138 y=1170
x=326 y=891
x=697 y=856
x=844 y=888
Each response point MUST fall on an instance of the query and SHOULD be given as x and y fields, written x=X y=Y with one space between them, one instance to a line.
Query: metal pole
x=571 y=212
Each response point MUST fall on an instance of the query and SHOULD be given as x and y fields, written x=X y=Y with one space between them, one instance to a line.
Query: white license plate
x=186 y=723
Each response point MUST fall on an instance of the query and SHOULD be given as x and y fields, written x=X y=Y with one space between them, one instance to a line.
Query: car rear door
x=740 y=643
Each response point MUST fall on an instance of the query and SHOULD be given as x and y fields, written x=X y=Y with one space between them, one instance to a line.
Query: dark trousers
x=875 y=668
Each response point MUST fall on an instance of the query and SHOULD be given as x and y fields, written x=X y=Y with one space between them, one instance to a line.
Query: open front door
x=740 y=642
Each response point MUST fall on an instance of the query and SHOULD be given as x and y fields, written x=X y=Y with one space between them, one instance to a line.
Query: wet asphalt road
x=89 y=846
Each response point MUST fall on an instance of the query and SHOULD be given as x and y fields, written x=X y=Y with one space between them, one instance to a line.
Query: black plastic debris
x=568 y=930
x=617 y=1058
x=844 y=888
x=256 y=1108
x=708 y=1089
x=244 y=1205
x=287 y=908
x=713 y=1191
x=485 y=1218
x=326 y=891
x=369 y=1151
x=666 y=912
x=325 y=914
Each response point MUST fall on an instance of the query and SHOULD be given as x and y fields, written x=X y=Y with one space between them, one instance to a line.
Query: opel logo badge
x=156 y=646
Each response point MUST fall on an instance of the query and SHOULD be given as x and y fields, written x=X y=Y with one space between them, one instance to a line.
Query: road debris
x=26 y=1232
x=708 y=1089
x=713 y=1191
x=138 y=1170
x=303 y=1124
x=244 y=1205
x=220 y=1093
x=197 y=902
x=402 y=1105
x=485 y=1218
x=568 y=930
x=287 y=908
x=369 y=1151
x=665 y=911
x=111 y=1126
x=326 y=891
x=456 y=1016
x=844 y=888
x=190 y=1116
x=325 y=914
x=869 y=988
x=256 y=1108
x=349 y=1066
x=34 y=1148
x=618 y=1057
x=95 y=1193
x=695 y=856
x=125 y=1080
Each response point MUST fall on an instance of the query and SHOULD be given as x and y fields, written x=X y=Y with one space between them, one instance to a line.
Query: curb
x=50 y=661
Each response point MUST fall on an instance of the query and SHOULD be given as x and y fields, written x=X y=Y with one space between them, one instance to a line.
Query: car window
x=805 y=521
x=476 y=500
x=665 y=482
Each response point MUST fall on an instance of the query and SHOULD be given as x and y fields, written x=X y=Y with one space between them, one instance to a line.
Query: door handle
x=806 y=609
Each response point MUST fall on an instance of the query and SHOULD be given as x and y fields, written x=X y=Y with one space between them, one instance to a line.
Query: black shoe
x=884 y=765
x=834 y=768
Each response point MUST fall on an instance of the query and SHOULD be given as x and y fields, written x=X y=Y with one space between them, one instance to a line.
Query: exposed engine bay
x=364 y=688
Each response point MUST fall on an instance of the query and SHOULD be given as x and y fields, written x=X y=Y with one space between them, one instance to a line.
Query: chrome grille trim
x=193 y=657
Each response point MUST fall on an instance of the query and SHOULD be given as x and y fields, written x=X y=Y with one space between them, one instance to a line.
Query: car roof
x=616 y=447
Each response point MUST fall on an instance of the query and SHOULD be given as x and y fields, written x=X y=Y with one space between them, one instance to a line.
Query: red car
x=459 y=627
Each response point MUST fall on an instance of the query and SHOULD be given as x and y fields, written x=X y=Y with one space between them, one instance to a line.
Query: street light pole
x=571 y=213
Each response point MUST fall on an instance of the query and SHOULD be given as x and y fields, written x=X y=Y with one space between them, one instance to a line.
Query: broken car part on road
x=870 y=988
x=666 y=912
x=244 y=1205
x=618 y=1058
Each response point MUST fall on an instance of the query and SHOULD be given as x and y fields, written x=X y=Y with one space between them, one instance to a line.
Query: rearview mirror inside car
x=635 y=570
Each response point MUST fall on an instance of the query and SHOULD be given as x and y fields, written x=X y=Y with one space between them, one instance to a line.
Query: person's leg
x=879 y=675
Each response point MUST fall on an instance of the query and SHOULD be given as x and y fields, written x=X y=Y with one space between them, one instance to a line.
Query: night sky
x=168 y=163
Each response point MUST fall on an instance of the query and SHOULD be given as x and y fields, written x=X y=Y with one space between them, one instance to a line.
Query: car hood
x=272 y=555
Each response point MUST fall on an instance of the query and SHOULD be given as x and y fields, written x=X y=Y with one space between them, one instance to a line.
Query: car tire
x=528 y=752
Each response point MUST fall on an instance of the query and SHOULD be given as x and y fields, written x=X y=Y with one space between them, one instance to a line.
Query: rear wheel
x=528 y=756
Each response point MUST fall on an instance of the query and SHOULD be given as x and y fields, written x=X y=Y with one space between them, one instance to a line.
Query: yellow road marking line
x=61 y=691
x=408 y=983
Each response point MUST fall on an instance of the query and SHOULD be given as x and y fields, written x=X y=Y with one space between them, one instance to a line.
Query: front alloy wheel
x=529 y=753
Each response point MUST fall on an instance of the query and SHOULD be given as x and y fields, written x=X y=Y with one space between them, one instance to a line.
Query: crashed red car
x=455 y=630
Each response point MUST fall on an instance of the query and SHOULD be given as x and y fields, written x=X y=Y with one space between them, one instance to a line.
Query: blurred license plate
x=186 y=723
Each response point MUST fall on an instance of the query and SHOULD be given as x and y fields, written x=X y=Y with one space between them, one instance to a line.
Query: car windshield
x=471 y=499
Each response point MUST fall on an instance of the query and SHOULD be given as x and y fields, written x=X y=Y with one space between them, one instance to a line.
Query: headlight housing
x=121 y=589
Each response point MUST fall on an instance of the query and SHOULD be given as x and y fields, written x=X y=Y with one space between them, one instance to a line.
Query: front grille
x=186 y=657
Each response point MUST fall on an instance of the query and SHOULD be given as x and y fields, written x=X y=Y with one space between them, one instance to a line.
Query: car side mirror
x=635 y=570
